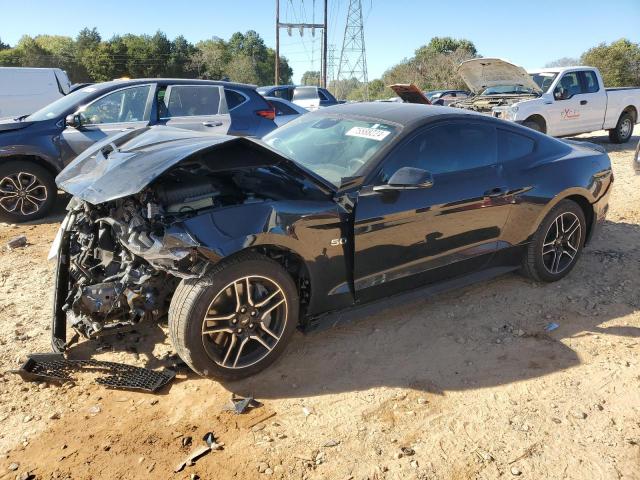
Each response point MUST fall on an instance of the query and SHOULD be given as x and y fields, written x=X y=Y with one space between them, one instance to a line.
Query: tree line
x=88 y=58
x=434 y=66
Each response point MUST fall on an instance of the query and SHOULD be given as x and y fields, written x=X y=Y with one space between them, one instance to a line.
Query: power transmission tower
x=353 y=57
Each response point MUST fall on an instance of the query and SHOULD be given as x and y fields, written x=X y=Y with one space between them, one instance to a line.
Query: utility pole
x=353 y=57
x=301 y=27
x=277 y=82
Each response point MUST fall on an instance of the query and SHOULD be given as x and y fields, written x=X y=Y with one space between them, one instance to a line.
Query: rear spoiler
x=410 y=93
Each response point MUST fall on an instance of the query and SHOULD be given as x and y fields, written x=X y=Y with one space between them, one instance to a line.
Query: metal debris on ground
x=551 y=327
x=199 y=452
x=53 y=367
x=240 y=404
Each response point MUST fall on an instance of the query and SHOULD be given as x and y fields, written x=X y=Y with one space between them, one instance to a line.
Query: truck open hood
x=126 y=163
x=482 y=73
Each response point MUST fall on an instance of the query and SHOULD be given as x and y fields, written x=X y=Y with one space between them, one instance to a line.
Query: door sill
x=357 y=312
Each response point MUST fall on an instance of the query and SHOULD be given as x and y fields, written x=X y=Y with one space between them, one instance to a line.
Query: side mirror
x=74 y=120
x=407 y=178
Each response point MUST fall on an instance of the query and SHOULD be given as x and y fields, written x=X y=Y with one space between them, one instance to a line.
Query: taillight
x=270 y=114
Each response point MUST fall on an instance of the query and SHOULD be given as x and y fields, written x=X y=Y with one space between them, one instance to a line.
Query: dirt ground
x=464 y=385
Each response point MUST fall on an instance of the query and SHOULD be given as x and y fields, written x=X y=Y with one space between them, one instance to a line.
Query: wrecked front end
x=127 y=240
x=495 y=105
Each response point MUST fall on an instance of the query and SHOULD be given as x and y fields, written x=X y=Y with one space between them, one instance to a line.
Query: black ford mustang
x=241 y=240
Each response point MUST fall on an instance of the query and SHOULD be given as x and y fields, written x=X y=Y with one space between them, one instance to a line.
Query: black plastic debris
x=242 y=404
x=53 y=367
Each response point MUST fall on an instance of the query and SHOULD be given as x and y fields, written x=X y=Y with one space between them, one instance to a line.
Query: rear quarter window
x=512 y=146
x=234 y=98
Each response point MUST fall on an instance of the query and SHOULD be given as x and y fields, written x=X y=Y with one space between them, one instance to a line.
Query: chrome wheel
x=22 y=193
x=625 y=128
x=244 y=322
x=561 y=243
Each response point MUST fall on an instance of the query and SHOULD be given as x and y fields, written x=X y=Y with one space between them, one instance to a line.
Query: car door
x=593 y=101
x=202 y=108
x=566 y=111
x=406 y=237
x=125 y=108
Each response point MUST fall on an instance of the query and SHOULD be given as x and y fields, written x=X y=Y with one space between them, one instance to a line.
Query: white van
x=25 y=90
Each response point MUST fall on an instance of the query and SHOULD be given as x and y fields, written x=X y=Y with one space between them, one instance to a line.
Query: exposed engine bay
x=121 y=260
x=486 y=103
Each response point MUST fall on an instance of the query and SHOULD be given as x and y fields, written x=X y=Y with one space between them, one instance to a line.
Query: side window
x=590 y=81
x=192 y=100
x=126 y=105
x=281 y=93
x=445 y=148
x=568 y=87
x=513 y=145
x=282 y=109
x=234 y=98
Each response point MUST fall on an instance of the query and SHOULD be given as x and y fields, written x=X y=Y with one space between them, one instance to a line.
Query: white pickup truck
x=557 y=101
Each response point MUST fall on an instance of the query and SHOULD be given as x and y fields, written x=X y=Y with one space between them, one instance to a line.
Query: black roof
x=404 y=114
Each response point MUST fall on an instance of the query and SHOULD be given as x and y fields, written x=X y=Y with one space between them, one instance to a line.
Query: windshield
x=330 y=146
x=506 y=90
x=544 y=79
x=60 y=106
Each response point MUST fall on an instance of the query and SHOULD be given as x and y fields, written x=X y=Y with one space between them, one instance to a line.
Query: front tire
x=533 y=125
x=557 y=244
x=237 y=319
x=27 y=191
x=624 y=129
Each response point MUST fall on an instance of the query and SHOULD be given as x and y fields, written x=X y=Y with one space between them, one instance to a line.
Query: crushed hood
x=482 y=73
x=127 y=162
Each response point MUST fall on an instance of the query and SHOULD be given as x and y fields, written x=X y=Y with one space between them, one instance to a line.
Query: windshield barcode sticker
x=371 y=133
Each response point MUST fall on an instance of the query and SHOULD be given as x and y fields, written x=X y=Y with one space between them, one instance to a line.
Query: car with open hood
x=35 y=148
x=557 y=101
x=241 y=241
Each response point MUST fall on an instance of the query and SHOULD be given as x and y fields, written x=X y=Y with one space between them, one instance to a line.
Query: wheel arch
x=32 y=158
x=631 y=109
x=577 y=195
x=539 y=119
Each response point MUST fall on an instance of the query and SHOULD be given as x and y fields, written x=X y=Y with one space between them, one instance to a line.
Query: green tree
x=310 y=77
x=563 y=62
x=619 y=62
x=210 y=59
x=4 y=46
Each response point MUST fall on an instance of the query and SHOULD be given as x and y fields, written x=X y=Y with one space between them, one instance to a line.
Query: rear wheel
x=557 y=244
x=27 y=191
x=236 y=320
x=624 y=129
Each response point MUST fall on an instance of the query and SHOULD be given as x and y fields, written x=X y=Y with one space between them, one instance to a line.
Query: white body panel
x=25 y=90
x=582 y=112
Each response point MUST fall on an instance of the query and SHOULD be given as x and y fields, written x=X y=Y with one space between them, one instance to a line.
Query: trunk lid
x=410 y=93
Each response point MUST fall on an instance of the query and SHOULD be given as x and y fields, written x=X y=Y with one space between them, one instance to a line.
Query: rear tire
x=27 y=191
x=624 y=129
x=246 y=337
x=557 y=244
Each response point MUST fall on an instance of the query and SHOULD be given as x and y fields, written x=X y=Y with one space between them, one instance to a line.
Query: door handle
x=212 y=124
x=583 y=102
x=495 y=192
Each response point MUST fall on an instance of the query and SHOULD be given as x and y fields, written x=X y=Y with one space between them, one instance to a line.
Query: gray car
x=35 y=148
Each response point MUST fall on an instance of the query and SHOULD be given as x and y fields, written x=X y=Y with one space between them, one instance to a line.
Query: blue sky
x=527 y=33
